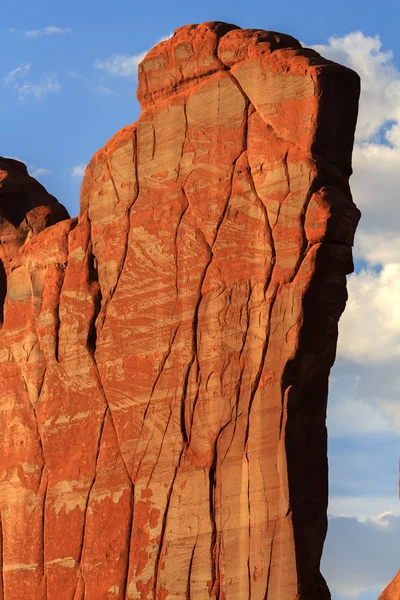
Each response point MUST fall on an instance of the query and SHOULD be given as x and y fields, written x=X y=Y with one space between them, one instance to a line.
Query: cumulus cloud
x=380 y=81
x=362 y=556
x=370 y=327
x=78 y=171
x=369 y=331
x=123 y=65
x=363 y=543
x=50 y=30
x=377 y=152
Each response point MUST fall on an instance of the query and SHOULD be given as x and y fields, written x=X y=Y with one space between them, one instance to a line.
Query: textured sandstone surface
x=392 y=591
x=164 y=358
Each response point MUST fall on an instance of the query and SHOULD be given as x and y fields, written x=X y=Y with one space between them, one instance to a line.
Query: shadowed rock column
x=166 y=356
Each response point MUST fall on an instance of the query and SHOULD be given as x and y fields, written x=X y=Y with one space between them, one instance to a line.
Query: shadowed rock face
x=165 y=358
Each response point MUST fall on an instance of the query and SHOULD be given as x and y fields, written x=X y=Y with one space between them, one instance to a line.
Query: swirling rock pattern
x=164 y=358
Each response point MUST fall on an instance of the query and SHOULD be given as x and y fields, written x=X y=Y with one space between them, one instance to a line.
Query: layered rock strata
x=164 y=358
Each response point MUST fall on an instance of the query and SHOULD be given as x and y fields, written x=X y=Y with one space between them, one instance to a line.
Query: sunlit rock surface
x=164 y=358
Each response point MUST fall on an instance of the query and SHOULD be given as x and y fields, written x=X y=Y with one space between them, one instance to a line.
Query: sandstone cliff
x=164 y=358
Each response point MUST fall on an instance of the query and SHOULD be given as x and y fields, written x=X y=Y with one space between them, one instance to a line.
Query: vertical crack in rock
x=163 y=529
x=3 y=291
x=270 y=562
x=160 y=372
x=129 y=543
x=215 y=585
x=210 y=248
x=89 y=493
x=176 y=251
x=107 y=301
x=57 y=321
x=160 y=450
x=2 y=556
x=97 y=298
x=219 y=458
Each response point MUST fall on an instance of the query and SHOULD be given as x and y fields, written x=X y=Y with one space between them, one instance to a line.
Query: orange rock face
x=392 y=592
x=165 y=357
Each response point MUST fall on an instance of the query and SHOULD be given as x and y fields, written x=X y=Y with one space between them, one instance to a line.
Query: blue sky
x=68 y=83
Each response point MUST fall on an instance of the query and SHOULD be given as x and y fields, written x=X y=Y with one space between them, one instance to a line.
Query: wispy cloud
x=78 y=171
x=102 y=89
x=123 y=65
x=39 y=172
x=46 y=85
x=33 y=171
x=50 y=30
x=20 y=71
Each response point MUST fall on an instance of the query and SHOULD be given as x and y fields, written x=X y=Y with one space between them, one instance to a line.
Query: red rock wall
x=164 y=358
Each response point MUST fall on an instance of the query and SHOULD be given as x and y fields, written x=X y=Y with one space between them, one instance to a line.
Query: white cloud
x=361 y=556
x=123 y=65
x=32 y=170
x=380 y=81
x=50 y=30
x=369 y=330
x=102 y=89
x=370 y=325
x=46 y=85
x=39 y=171
x=353 y=417
x=78 y=171
x=365 y=508
x=20 y=71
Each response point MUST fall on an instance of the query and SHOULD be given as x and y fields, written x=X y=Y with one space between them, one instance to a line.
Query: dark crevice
x=93 y=278
x=57 y=321
x=3 y=291
x=213 y=545
x=189 y=586
x=163 y=529
x=160 y=371
x=184 y=432
x=85 y=512
x=270 y=564
x=44 y=523
x=176 y=252
x=107 y=300
x=129 y=542
x=2 y=556
x=160 y=449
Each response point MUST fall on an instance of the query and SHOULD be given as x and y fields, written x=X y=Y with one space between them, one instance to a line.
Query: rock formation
x=392 y=591
x=164 y=358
